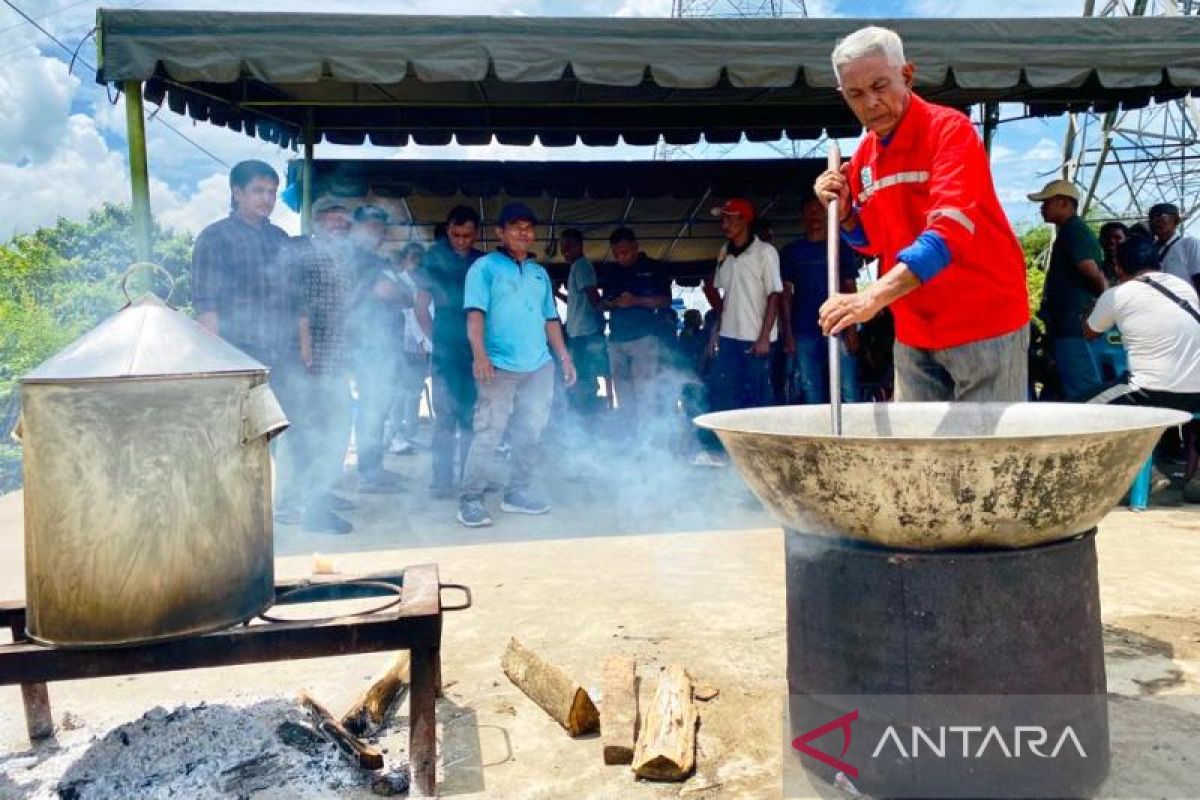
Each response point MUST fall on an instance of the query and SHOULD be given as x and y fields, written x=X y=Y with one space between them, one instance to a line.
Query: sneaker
x=287 y=516
x=323 y=520
x=472 y=513
x=523 y=503
x=401 y=447
x=707 y=459
x=503 y=450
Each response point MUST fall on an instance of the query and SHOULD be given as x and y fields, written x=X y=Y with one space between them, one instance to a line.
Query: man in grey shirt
x=1178 y=255
x=585 y=324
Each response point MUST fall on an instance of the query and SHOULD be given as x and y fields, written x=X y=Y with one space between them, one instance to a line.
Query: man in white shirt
x=1158 y=315
x=748 y=277
x=1179 y=255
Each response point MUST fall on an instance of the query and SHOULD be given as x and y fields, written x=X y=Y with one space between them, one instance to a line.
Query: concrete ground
x=669 y=565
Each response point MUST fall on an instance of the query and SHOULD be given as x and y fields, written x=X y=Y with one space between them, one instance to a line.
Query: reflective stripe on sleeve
x=892 y=180
x=954 y=214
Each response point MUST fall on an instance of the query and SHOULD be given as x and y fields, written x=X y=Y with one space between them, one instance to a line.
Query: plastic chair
x=1139 y=493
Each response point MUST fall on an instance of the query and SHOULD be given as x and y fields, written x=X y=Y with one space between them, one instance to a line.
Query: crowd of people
x=354 y=337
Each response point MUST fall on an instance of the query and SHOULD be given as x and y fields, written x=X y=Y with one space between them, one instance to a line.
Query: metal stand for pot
x=414 y=624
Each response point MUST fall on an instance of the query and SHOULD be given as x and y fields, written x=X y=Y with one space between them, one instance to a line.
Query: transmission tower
x=1126 y=161
x=726 y=9
x=738 y=8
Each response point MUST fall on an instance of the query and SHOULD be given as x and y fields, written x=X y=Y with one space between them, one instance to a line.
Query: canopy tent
x=394 y=79
x=667 y=203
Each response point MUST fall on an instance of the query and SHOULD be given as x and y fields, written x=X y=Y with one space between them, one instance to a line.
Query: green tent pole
x=139 y=177
x=306 y=177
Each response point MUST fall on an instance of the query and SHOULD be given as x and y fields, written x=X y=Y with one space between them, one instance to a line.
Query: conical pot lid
x=146 y=339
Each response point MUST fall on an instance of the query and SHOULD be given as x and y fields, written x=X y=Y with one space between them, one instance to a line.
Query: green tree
x=59 y=282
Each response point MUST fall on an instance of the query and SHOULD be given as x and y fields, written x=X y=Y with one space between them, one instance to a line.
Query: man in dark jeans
x=745 y=334
x=324 y=267
x=803 y=268
x=1073 y=282
x=377 y=325
x=440 y=280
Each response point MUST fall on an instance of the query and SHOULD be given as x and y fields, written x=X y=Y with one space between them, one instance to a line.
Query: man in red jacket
x=918 y=195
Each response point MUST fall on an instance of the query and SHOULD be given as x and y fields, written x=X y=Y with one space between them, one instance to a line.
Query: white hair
x=869 y=41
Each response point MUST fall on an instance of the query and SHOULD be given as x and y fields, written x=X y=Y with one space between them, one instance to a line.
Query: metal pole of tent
x=306 y=176
x=139 y=177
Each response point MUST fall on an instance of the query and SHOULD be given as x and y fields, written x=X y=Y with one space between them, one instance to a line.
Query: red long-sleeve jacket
x=933 y=175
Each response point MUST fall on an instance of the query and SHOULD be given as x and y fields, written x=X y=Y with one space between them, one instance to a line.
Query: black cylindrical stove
x=895 y=658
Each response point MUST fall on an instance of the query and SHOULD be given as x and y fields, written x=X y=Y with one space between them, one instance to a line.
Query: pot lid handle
x=155 y=268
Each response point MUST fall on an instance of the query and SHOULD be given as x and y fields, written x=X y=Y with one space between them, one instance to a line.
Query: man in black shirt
x=440 y=281
x=637 y=296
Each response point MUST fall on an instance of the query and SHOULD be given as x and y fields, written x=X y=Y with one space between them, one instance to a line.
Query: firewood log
x=369 y=711
x=619 y=710
x=359 y=752
x=666 y=744
x=550 y=687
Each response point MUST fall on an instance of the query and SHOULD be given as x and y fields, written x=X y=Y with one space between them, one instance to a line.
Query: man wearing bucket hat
x=1074 y=280
x=918 y=194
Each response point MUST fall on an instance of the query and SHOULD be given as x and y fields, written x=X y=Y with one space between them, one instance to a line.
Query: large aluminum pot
x=939 y=476
x=147 y=483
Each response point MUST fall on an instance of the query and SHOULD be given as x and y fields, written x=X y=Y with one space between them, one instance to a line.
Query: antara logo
x=977 y=741
x=843 y=722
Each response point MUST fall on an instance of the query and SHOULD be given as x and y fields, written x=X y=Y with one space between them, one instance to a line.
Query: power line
x=74 y=55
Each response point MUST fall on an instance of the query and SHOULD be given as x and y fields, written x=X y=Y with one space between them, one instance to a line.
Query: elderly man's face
x=1163 y=226
x=334 y=222
x=876 y=91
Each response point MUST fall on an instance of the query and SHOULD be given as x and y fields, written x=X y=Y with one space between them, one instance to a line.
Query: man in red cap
x=918 y=195
x=745 y=333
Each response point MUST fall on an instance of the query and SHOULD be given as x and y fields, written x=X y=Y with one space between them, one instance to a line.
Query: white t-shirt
x=1162 y=340
x=1183 y=257
x=748 y=280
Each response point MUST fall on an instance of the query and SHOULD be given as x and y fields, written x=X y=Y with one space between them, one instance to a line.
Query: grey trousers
x=990 y=370
x=635 y=367
x=516 y=402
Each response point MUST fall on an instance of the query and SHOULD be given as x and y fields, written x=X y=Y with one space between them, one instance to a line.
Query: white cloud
x=643 y=8
x=990 y=8
x=35 y=98
x=79 y=174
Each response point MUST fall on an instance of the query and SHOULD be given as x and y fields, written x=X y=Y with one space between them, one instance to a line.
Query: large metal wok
x=936 y=476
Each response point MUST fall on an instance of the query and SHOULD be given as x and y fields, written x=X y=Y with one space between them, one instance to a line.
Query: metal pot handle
x=261 y=414
x=140 y=265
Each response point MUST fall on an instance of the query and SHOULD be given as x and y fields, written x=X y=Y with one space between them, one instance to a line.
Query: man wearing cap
x=1074 y=280
x=918 y=194
x=637 y=295
x=1179 y=254
x=512 y=324
x=745 y=331
x=439 y=311
x=377 y=335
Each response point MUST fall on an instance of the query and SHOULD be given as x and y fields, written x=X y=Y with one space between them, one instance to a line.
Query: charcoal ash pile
x=202 y=751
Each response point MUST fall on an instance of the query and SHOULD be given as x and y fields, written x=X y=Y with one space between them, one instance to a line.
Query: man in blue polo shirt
x=512 y=324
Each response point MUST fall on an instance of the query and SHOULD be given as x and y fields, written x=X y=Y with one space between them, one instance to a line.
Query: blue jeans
x=809 y=371
x=1078 y=367
x=743 y=380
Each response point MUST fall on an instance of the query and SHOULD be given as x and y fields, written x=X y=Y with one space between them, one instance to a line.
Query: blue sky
x=62 y=143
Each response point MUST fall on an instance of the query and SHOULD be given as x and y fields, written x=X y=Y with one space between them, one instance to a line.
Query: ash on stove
x=203 y=751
